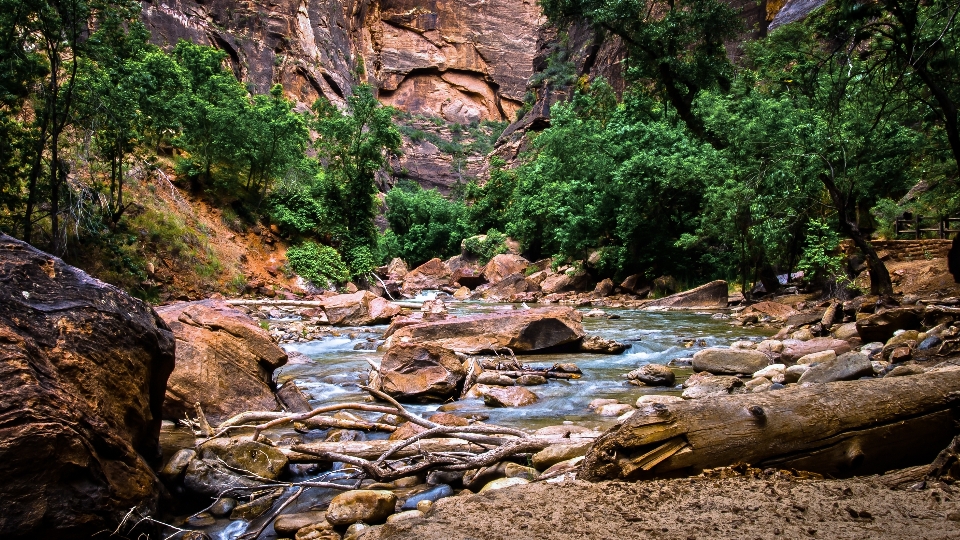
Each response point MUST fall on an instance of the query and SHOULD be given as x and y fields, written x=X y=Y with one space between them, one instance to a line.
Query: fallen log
x=838 y=429
x=545 y=374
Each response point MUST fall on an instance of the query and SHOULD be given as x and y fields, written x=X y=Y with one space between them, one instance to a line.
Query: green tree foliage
x=423 y=224
x=317 y=263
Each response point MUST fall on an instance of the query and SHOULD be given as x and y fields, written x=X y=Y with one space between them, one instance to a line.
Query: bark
x=839 y=429
x=880 y=283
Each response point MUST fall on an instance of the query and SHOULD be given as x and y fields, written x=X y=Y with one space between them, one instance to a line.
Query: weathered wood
x=546 y=374
x=294 y=303
x=372 y=450
x=838 y=429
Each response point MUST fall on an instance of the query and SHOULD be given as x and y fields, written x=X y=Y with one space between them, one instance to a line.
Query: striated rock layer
x=83 y=368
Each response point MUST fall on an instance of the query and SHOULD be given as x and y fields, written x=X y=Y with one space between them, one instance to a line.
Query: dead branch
x=253 y=535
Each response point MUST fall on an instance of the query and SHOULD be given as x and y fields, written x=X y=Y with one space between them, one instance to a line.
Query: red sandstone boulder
x=431 y=275
x=83 y=368
x=523 y=331
x=710 y=295
x=361 y=308
x=504 y=265
x=794 y=349
x=225 y=361
x=420 y=372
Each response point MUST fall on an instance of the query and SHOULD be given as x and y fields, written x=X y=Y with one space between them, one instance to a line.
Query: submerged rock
x=599 y=345
x=83 y=367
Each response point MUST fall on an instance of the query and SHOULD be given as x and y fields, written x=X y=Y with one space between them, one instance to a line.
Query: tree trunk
x=840 y=429
x=880 y=283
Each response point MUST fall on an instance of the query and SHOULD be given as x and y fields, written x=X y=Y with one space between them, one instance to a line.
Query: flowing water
x=339 y=363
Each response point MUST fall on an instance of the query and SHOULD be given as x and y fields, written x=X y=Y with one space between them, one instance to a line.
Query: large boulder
x=420 y=372
x=466 y=272
x=881 y=326
x=846 y=367
x=795 y=349
x=523 y=331
x=730 y=361
x=710 y=295
x=564 y=281
x=362 y=308
x=431 y=275
x=225 y=361
x=509 y=288
x=83 y=368
x=504 y=265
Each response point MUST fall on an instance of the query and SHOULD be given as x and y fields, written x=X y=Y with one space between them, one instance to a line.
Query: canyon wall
x=444 y=63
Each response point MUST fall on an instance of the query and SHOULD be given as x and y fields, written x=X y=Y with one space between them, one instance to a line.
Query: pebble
x=409 y=514
x=223 y=506
x=501 y=483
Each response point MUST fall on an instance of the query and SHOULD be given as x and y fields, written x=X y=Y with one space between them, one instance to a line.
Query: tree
x=676 y=44
x=353 y=146
x=276 y=138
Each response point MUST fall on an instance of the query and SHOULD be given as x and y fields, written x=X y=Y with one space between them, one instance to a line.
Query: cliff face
x=443 y=62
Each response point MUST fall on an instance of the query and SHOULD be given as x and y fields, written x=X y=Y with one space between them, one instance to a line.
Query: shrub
x=319 y=264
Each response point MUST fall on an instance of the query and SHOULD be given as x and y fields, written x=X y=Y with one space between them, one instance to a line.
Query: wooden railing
x=917 y=226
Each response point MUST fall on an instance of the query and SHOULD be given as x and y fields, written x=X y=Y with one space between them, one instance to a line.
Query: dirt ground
x=764 y=507
x=924 y=278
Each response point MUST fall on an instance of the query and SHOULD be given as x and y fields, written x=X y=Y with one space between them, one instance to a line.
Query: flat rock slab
x=846 y=367
x=710 y=295
x=522 y=331
x=794 y=349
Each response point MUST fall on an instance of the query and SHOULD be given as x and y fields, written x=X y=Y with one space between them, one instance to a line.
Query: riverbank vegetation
x=701 y=168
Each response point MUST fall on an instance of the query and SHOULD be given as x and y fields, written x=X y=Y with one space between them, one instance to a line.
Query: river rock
x=793 y=373
x=563 y=466
x=502 y=483
x=225 y=362
x=362 y=308
x=564 y=281
x=603 y=289
x=907 y=338
x=420 y=372
x=711 y=385
x=771 y=371
x=495 y=379
x=366 y=505
x=431 y=275
x=507 y=396
x=600 y=402
x=210 y=478
x=614 y=409
x=599 y=345
x=403 y=516
x=846 y=367
x=83 y=367
x=774 y=310
x=289 y=524
x=793 y=349
x=729 y=361
x=514 y=470
x=522 y=331
x=653 y=375
x=557 y=453
x=354 y=531
x=881 y=326
x=710 y=295
x=531 y=380
x=903 y=371
x=510 y=287
x=240 y=453
x=177 y=464
x=317 y=531
x=817 y=357
x=656 y=398
x=846 y=331
x=255 y=508
x=433 y=494
x=223 y=506
x=503 y=265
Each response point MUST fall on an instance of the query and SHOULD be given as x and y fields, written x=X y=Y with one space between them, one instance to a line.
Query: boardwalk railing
x=918 y=226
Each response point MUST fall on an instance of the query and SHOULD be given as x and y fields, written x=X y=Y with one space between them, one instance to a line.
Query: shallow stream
x=654 y=337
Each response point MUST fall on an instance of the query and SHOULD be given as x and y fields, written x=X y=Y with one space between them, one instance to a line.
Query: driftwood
x=544 y=374
x=838 y=429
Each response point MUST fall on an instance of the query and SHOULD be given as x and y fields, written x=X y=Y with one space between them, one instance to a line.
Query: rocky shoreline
x=264 y=458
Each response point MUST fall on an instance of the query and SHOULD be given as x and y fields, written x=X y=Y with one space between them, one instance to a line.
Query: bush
x=318 y=264
x=486 y=247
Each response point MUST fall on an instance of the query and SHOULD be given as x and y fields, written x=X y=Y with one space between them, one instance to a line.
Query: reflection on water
x=654 y=338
